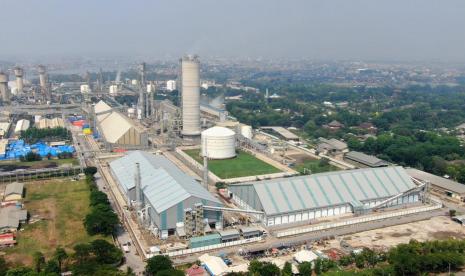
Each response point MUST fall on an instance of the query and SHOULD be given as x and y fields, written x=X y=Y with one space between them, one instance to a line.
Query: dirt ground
x=432 y=229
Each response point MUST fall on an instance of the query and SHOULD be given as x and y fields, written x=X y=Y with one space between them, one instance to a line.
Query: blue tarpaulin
x=19 y=148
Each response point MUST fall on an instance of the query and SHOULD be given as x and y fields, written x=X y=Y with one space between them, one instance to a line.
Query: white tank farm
x=218 y=143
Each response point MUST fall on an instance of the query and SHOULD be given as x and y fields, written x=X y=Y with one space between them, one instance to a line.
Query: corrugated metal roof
x=442 y=182
x=214 y=236
x=14 y=188
x=366 y=159
x=292 y=194
x=163 y=184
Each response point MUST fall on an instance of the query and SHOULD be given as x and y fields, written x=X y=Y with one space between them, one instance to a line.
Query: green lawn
x=315 y=166
x=244 y=164
x=45 y=162
x=62 y=204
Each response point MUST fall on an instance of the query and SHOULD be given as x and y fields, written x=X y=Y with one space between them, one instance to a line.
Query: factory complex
x=165 y=192
x=186 y=179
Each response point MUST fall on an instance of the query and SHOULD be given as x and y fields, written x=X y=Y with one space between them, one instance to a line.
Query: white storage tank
x=218 y=143
x=246 y=131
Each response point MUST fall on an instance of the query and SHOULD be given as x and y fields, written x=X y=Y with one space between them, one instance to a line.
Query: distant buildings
x=365 y=159
x=171 y=85
x=333 y=126
x=332 y=147
x=368 y=128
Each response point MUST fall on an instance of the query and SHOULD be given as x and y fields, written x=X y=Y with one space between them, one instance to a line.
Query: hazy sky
x=325 y=29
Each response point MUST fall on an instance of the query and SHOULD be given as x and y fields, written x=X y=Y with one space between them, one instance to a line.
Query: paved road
x=133 y=260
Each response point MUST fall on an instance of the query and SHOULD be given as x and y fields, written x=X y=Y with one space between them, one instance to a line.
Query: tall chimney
x=137 y=181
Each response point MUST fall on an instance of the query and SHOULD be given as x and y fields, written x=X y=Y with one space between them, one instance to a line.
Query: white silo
x=190 y=85
x=19 y=79
x=4 y=91
x=218 y=143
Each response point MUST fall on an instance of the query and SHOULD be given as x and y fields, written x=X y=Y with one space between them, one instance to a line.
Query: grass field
x=315 y=166
x=244 y=164
x=9 y=165
x=61 y=205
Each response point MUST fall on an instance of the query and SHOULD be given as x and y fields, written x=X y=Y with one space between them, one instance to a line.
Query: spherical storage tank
x=218 y=143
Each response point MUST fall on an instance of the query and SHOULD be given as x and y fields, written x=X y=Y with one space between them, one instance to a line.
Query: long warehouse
x=166 y=190
x=303 y=198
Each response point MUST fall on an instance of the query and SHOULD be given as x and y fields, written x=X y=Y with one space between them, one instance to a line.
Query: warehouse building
x=118 y=130
x=166 y=191
x=364 y=160
x=439 y=184
x=13 y=191
x=50 y=123
x=11 y=218
x=303 y=198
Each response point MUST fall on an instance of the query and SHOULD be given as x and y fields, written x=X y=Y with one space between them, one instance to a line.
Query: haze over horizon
x=394 y=30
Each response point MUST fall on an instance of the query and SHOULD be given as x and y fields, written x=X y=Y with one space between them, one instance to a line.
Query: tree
x=39 y=261
x=90 y=170
x=101 y=220
x=60 y=255
x=3 y=266
x=98 y=197
x=82 y=252
x=305 y=268
x=52 y=267
x=19 y=271
x=158 y=263
x=255 y=267
x=269 y=269
x=287 y=269
x=105 y=252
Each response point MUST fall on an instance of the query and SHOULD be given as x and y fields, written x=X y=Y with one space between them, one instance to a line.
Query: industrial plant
x=185 y=177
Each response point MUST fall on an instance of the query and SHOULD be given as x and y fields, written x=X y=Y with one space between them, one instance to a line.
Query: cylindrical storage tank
x=42 y=76
x=19 y=79
x=218 y=143
x=4 y=92
x=190 y=85
x=246 y=131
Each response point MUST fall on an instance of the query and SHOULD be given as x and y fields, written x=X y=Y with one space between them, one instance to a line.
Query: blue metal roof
x=163 y=184
x=292 y=194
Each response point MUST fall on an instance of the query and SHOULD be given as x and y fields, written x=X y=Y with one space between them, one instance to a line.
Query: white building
x=85 y=88
x=171 y=85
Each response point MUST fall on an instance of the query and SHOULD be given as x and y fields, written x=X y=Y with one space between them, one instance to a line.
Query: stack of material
x=22 y=125
x=50 y=123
